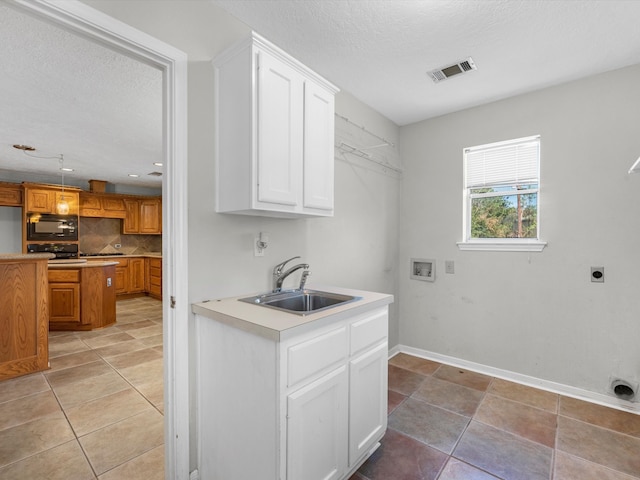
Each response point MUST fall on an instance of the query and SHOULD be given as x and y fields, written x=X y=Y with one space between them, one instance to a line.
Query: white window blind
x=504 y=163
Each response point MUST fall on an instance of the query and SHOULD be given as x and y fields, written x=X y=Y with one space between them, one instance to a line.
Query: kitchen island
x=82 y=294
x=304 y=395
x=24 y=345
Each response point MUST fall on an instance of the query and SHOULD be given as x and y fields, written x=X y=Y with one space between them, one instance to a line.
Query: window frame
x=499 y=244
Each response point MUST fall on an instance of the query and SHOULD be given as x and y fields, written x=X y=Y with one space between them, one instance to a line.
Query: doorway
x=100 y=28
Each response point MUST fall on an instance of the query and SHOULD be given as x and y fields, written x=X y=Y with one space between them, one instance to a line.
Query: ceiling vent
x=443 y=73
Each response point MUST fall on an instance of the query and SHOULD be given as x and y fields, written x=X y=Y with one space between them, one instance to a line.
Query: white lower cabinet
x=367 y=419
x=317 y=428
x=310 y=406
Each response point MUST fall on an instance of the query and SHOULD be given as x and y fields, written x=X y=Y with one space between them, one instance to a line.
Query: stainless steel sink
x=300 y=301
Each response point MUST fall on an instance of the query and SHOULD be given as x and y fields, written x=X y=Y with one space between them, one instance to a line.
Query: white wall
x=357 y=248
x=535 y=314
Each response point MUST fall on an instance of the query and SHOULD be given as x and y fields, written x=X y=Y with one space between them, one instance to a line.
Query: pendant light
x=62 y=207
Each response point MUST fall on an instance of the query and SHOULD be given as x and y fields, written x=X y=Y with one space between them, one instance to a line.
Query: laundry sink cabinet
x=306 y=403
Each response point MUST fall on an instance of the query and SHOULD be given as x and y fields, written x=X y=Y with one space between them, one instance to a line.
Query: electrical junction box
x=423 y=269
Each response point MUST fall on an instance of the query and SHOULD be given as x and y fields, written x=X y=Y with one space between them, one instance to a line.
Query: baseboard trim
x=547 y=385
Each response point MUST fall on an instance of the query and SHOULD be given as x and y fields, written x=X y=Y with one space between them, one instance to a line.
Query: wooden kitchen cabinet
x=44 y=198
x=154 y=277
x=10 y=194
x=151 y=216
x=314 y=403
x=101 y=205
x=24 y=311
x=136 y=275
x=64 y=297
x=143 y=216
x=275 y=134
x=130 y=275
x=131 y=223
x=82 y=298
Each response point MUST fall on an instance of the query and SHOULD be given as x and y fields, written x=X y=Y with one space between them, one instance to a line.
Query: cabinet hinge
x=173 y=301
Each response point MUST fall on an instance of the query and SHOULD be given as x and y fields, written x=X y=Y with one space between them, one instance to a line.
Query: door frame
x=96 y=26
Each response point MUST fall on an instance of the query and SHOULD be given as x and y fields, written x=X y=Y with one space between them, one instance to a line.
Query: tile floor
x=98 y=412
x=447 y=423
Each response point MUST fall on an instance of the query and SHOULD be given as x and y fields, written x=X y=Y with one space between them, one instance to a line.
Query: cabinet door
x=122 y=280
x=71 y=198
x=367 y=401
x=90 y=205
x=150 y=216
x=279 y=128
x=40 y=201
x=113 y=207
x=10 y=195
x=136 y=275
x=317 y=429
x=318 y=147
x=131 y=223
x=64 y=301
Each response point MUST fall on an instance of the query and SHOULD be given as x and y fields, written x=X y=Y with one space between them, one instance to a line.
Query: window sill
x=503 y=246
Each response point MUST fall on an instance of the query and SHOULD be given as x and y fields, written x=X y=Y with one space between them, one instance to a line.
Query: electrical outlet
x=117 y=245
x=108 y=281
x=449 y=266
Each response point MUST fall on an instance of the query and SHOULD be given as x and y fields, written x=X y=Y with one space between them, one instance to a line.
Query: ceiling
x=65 y=95
x=380 y=50
x=103 y=110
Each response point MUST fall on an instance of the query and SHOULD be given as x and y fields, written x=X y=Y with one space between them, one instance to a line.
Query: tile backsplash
x=100 y=235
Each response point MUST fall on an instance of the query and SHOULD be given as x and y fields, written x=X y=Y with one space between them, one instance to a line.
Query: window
x=501 y=196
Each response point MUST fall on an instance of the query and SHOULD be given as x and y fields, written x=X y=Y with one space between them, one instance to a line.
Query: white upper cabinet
x=274 y=134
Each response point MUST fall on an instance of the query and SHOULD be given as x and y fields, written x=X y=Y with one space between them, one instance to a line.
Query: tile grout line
x=77 y=439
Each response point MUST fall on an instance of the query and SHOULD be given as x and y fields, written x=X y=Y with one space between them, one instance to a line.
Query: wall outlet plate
x=449 y=266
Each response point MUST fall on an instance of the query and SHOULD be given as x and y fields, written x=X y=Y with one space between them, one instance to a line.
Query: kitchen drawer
x=310 y=357
x=155 y=272
x=368 y=329
x=66 y=276
x=122 y=262
x=155 y=281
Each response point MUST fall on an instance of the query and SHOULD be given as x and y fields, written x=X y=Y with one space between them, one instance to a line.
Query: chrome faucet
x=279 y=275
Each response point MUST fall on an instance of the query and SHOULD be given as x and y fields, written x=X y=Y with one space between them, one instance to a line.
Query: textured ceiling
x=380 y=50
x=102 y=110
x=63 y=94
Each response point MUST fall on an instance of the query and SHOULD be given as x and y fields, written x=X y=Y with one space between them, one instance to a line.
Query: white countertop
x=277 y=324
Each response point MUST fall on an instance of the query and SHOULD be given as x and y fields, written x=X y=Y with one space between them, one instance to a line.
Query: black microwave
x=45 y=226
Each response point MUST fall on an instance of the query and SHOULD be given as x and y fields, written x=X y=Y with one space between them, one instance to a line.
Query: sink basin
x=300 y=301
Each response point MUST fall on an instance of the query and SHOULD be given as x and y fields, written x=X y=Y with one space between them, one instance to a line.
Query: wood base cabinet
x=130 y=275
x=154 y=276
x=82 y=298
x=24 y=311
x=312 y=406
